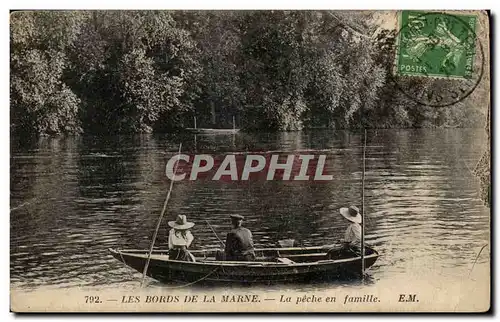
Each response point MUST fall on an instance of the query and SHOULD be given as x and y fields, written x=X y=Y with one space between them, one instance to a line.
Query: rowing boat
x=292 y=264
x=211 y=131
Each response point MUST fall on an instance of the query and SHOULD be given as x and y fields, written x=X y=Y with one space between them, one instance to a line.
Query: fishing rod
x=213 y=230
x=160 y=219
x=363 y=209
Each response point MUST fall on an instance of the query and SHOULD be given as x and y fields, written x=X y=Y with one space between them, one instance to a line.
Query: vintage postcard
x=250 y=161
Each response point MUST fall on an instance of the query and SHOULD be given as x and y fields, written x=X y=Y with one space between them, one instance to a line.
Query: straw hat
x=181 y=223
x=351 y=214
x=238 y=217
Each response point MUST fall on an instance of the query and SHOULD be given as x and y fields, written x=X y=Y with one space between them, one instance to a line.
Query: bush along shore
x=143 y=71
x=482 y=170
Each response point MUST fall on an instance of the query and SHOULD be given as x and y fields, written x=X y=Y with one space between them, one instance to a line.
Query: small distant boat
x=211 y=131
x=292 y=264
x=197 y=130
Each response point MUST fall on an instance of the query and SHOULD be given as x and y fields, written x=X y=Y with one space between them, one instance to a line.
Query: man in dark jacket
x=239 y=242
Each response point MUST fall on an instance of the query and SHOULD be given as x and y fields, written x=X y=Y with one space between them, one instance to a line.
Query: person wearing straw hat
x=179 y=239
x=352 y=237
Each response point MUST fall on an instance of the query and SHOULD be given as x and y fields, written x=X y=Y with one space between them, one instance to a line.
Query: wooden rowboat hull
x=206 y=269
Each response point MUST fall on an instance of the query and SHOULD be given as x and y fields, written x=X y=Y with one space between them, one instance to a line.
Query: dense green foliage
x=141 y=71
x=41 y=101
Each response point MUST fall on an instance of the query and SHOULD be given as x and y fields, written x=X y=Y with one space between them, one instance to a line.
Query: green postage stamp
x=436 y=44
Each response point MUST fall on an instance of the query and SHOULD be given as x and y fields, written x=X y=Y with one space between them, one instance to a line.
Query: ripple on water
x=75 y=199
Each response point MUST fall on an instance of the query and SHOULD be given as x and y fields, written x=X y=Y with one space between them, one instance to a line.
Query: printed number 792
x=92 y=299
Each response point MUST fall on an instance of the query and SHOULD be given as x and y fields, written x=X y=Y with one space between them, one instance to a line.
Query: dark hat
x=239 y=217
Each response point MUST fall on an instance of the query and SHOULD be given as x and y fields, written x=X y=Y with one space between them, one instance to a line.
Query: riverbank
x=482 y=169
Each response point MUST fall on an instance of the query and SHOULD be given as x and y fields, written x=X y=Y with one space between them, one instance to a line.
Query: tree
x=217 y=35
x=139 y=64
x=41 y=101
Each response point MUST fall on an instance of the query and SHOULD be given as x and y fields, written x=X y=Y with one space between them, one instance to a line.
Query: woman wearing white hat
x=179 y=239
x=352 y=237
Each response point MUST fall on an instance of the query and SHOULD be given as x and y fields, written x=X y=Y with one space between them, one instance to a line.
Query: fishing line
x=477 y=257
x=191 y=283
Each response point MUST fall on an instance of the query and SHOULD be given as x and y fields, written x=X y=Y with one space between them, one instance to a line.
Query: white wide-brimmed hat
x=181 y=223
x=351 y=214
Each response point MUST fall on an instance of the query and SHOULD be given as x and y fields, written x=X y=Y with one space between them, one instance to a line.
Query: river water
x=73 y=198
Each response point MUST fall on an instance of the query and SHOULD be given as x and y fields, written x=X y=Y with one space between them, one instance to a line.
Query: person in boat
x=352 y=237
x=239 y=242
x=179 y=239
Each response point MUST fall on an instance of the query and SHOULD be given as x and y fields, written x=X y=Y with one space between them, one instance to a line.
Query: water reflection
x=73 y=198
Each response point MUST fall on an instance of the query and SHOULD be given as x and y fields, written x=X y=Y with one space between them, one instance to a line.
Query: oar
x=213 y=230
x=159 y=219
